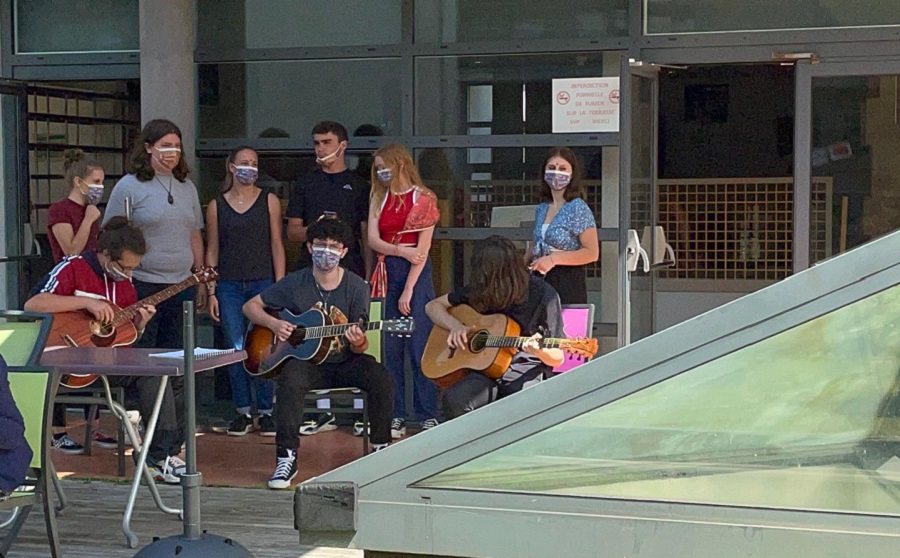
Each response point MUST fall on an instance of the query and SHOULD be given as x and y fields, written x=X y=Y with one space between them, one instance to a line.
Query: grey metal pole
x=191 y=480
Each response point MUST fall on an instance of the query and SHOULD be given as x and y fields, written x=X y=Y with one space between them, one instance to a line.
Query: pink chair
x=578 y=321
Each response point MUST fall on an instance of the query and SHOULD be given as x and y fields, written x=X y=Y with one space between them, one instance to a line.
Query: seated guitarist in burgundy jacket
x=86 y=282
x=334 y=289
x=501 y=285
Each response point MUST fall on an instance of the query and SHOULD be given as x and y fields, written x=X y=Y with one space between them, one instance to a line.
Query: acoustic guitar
x=81 y=329
x=318 y=335
x=493 y=340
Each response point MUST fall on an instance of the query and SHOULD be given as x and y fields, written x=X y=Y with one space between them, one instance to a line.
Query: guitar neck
x=339 y=329
x=126 y=314
x=517 y=342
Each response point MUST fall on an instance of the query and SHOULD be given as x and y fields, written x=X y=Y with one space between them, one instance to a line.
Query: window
x=806 y=419
x=49 y=26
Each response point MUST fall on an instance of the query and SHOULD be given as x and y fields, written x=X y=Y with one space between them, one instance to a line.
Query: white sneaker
x=168 y=470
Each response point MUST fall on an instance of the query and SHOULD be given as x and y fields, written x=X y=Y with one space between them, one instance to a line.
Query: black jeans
x=477 y=390
x=359 y=371
x=142 y=391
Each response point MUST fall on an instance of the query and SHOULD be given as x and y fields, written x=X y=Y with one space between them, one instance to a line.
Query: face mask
x=557 y=180
x=168 y=156
x=329 y=158
x=325 y=259
x=114 y=273
x=385 y=175
x=246 y=175
x=94 y=193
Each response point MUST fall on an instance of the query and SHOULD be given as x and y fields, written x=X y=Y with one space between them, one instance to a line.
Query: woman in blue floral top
x=565 y=231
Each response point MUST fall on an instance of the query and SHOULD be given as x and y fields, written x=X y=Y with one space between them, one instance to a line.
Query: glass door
x=637 y=198
x=848 y=156
x=14 y=201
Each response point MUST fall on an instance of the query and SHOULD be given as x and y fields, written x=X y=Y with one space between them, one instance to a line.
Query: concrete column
x=609 y=218
x=168 y=86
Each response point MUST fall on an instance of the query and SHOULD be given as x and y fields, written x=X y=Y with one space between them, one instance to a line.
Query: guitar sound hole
x=101 y=329
x=478 y=341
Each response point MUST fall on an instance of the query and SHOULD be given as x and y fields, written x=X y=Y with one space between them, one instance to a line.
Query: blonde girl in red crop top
x=396 y=185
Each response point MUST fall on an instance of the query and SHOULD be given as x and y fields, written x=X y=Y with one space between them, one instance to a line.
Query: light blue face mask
x=557 y=180
x=385 y=175
x=325 y=259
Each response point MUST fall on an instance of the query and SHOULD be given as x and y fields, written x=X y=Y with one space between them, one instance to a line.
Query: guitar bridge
x=69 y=341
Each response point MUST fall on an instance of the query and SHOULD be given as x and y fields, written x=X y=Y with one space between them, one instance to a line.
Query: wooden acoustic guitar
x=318 y=335
x=81 y=329
x=493 y=341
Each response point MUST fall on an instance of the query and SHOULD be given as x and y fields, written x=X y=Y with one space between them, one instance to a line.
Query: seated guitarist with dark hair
x=86 y=282
x=339 y=293
x=500 y=284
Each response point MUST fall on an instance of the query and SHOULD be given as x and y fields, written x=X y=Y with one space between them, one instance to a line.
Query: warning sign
x=586 y=105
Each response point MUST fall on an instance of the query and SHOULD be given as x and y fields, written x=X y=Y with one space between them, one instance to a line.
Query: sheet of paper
x=198 y=352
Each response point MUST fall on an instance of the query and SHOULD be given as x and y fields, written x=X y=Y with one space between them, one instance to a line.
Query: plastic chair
x=22 y=339
x=578 y=321
x=356 y=400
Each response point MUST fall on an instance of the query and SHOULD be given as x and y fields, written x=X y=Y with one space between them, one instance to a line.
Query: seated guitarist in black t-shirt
x=501 y=285
x=337 y=292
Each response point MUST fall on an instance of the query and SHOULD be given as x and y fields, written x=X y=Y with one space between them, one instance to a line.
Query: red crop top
x=394 y=211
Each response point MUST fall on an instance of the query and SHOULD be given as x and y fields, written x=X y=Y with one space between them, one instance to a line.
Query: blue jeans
x=232 y=295
x=396 y=349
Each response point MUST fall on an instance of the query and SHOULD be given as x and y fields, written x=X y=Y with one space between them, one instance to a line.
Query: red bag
x=423 y=215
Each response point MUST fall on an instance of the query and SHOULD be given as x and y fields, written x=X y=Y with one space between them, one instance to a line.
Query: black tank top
x=245 y=243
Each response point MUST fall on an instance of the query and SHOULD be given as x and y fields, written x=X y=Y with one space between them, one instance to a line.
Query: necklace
x=322 y=294
x=168 y=190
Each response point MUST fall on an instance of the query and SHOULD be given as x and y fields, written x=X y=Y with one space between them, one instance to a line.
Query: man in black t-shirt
x=331 y=191
x=501 y=284
x=336 y=291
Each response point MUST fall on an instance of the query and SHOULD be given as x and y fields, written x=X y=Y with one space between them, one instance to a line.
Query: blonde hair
x=397 y=158
x=78 y=165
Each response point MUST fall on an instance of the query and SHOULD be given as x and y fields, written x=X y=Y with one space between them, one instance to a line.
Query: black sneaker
x=240 y=425
x=428 y=424
x=285 y=469
x=398 y=428
x=358 y=428
x=63 y=443
x=266 y=425
x=323 y=423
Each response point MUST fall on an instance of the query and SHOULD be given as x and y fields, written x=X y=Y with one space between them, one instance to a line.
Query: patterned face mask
x=557 y=180
x=385 y=175
x=325 y=259
x=246 y=175
x=94 y=193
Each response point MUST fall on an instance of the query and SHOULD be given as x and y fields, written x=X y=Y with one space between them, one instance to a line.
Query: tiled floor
x=246 y=461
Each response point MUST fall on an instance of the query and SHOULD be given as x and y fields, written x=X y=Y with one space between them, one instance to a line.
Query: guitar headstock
x=403 y=326
x=582 y=346
x=205 y=275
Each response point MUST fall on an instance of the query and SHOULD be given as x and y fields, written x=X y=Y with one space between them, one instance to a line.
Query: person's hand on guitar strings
x=144 y=315
x=282 y=329
x=532 y=345
x=355 y=336
x=458 y=338
x=101 y=310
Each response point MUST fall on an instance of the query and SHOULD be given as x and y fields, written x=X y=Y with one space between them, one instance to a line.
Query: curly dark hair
x=499 y=277
x=332 y=127
x=139 y=159
x=330 y=229
x=118 y=235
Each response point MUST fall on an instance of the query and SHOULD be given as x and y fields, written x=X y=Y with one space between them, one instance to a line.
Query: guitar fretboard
x=339 y=329
x=126 y=314
x=517 y=342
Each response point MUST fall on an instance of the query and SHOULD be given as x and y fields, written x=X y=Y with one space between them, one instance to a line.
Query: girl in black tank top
x=243 y=227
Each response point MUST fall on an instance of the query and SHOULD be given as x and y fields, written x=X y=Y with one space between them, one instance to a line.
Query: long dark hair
x=119 y=235
x=499 y=277
x=576 y=186
x=229 y=177
x=139 y=160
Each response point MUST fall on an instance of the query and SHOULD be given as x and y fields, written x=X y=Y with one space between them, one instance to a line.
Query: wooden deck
x=261 y=520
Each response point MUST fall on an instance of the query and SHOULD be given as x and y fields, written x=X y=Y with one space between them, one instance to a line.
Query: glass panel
x=262 y=99
x=468 y=95
x=855 y=162
x=237 y=24
x=640 y=190
x=45 y=26
x=808 y=419
x=462 y=21
x=485 y=186
x=690 y=16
